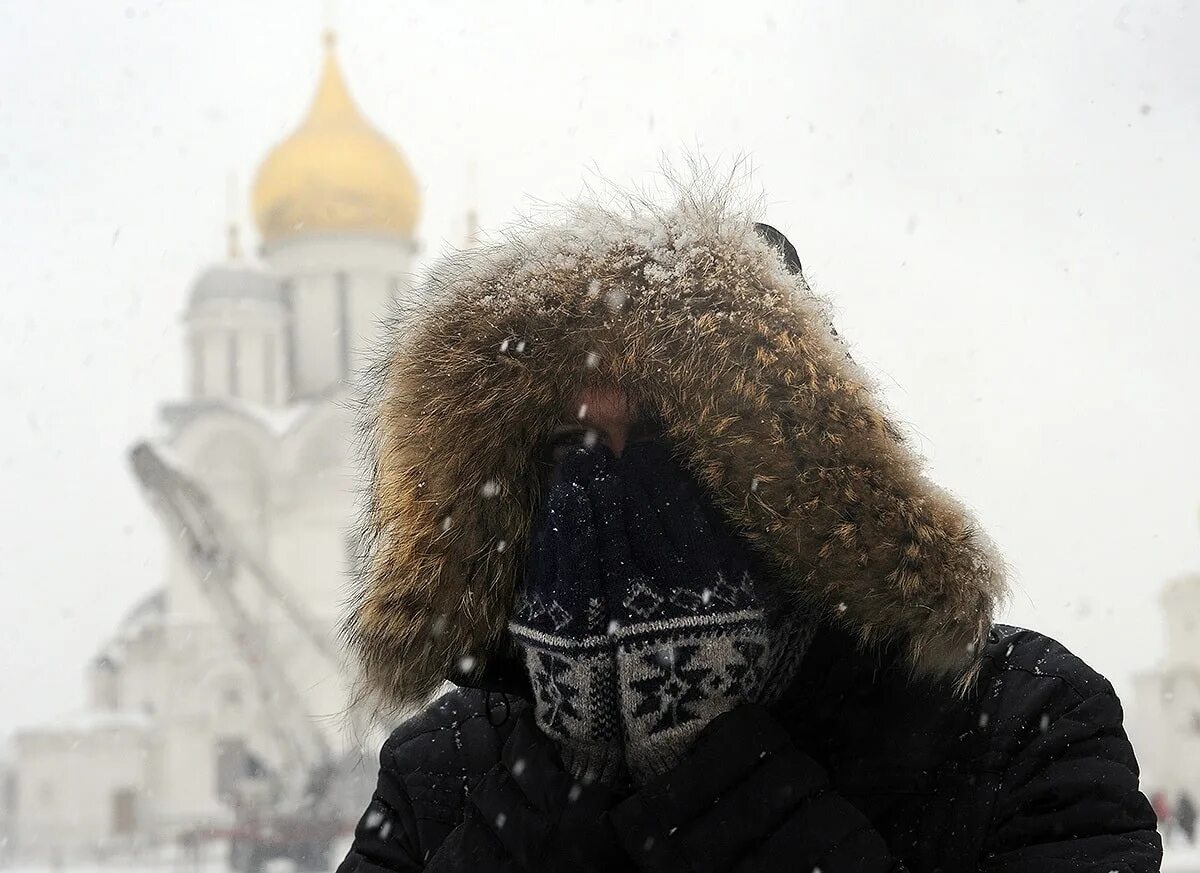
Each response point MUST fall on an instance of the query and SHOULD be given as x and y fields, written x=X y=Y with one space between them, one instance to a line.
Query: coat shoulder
x=1030 y=682
x=1024 y=657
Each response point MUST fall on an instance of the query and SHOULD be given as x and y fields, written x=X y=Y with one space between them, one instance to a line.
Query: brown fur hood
x=690 y=310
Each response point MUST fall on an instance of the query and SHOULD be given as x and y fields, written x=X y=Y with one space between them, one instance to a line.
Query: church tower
x=181 y=724
x=337 y=208
x=271 y=349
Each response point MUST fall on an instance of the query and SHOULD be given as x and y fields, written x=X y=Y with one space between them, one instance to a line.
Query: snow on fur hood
x=697 y=317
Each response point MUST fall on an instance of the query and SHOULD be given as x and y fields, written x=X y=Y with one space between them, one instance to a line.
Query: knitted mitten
x=562 y=622
x=693 y=640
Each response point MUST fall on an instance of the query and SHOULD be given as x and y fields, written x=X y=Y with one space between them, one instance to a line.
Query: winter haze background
x=1001 y=200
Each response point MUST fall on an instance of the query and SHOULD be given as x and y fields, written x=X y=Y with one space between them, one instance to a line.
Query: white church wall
x=1181 y=611
x=314 y=318
x=371 y=302
x=189 y=794
x=217 y=700
x=143 y=675
x=237 y=348
x=363 y=272
x=1163 y=716
x=255 y=380
x=104 y=686
x=214 y=698
x=288 y=497
x=315 y=510
x=132 y=682
x=330 y=252
x=83 y=788
x=1166 y=728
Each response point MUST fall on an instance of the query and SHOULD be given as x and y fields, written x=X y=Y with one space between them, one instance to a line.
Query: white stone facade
x=1164 y=716
x=269 y=351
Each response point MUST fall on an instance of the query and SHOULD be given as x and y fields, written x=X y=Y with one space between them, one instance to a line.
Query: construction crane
x=219 y=558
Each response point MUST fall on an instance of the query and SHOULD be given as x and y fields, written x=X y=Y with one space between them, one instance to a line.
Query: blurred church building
x=183 y=712
x=1164 y=715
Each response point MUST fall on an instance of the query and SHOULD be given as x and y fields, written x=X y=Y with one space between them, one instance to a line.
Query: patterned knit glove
x=562 y=621
x=693 y=640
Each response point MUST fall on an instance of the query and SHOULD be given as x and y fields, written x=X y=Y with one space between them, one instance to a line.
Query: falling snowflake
x=615 y=299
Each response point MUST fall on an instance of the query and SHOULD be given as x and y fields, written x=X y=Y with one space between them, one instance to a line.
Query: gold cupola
x=335 y=173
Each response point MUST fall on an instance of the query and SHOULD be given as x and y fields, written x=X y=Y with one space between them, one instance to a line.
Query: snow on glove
x=562 y=622
x=693 y=640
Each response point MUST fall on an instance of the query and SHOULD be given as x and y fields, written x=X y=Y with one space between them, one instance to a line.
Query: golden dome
x=335 y=173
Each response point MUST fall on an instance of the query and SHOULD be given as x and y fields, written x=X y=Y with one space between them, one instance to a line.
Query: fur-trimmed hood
x=697 y=316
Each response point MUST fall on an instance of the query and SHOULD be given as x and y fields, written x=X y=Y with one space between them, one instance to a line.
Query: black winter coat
x=858 y=768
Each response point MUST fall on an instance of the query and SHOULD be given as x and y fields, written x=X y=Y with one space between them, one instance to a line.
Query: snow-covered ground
x=1178 y=858
x=1181 y=861
x=211 y=860
x=152 y=867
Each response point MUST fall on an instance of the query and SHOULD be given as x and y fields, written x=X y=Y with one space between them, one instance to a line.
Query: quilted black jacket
x=858 y=768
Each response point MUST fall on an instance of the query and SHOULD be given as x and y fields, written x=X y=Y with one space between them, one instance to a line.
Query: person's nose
x=609 y=412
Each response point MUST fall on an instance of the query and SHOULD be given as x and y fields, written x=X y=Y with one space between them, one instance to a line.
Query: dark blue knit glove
x=641 y=617
x=562 y=621
x=693 y=639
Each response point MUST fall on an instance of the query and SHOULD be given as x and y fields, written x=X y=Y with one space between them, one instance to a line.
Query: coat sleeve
x=418 y=817
x=525 y=815
x=1069 y=799
x=535 y=818
x=746 y=799
x=385 y=838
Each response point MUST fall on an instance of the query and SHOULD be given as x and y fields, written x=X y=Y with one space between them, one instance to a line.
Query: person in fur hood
x=632 y=496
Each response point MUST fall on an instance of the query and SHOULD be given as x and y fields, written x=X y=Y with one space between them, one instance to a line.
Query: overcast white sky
x=1001 y=199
